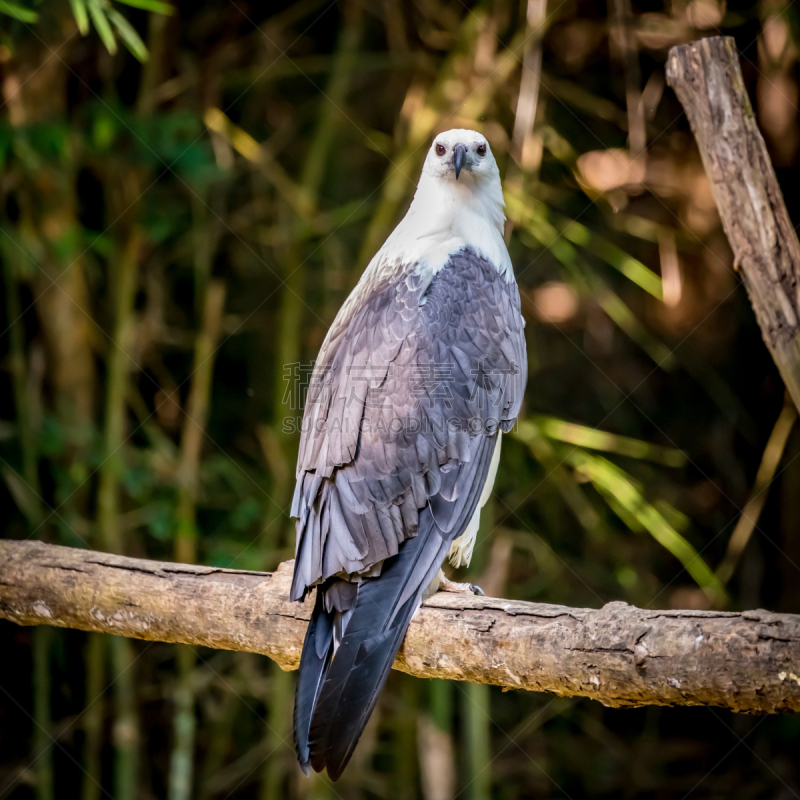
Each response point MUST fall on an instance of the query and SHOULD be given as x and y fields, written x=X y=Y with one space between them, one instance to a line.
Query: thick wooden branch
x=619 y=655
x=708 y=81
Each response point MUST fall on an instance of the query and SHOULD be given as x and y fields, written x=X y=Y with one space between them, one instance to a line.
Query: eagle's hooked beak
x=459 y=158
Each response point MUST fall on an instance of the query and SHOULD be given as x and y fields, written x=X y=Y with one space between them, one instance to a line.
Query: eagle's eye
x=440 y=149
x=481 y=150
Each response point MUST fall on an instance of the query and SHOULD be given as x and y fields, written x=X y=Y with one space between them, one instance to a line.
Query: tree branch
x=619 y=655
x=708 y=81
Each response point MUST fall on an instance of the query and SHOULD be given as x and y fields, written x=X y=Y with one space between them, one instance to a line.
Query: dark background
x=129 y=203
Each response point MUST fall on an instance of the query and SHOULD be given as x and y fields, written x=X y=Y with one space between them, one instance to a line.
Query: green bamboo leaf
x=534 y=220
x=101 y=25
x=531 y=433
x=593 y=439
x=615 y=257
x=623 y=493
x=128 y=35
x=18 y=12
x=535 y=216
x=151 y=5
x=81 y=16
x=628 y=323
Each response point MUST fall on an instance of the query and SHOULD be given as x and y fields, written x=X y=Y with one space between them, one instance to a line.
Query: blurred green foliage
x=182 y=216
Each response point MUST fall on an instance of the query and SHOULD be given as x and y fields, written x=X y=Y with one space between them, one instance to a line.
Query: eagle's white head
x=458 y=203
x=462 y=155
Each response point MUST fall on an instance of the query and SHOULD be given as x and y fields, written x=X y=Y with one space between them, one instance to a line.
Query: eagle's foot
x=446 y=585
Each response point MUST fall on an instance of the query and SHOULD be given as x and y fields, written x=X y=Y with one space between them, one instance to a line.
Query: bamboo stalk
x=22 y=400
x=526 y=147
x=126 y=735
x=277 y=767
x=219 y=744
x=624 y=45
x=288 y=352
x=42 y=642
x=126 y=725
x=476 y=708
x=153 y=68
x=42 y=737
x=526 y=150
x=197 y=409
x=476 y=698
x=184 y=725
x=435 y=737
x=92 y=716
x=73 y=399
x=748 y=519
x=406 y=755
x=333 y=100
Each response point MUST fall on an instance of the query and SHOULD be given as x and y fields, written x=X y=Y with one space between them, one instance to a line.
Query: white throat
x=445 y=216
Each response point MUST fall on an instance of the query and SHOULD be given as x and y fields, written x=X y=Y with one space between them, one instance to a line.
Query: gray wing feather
x=414 y=377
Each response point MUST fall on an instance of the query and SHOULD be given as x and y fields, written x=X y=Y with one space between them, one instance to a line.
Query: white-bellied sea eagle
x=421 y=373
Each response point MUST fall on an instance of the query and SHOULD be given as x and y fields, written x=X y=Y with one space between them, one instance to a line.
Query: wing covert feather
x=412 y=370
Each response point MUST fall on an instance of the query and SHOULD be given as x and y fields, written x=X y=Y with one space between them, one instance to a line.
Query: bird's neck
x=447 y=216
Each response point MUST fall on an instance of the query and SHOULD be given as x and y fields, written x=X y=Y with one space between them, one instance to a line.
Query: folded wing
x=416 y=379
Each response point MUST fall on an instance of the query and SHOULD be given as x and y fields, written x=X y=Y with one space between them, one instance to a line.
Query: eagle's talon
x=446 y=585
x=477 y=590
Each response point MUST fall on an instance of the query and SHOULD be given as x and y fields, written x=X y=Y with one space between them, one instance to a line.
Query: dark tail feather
x=336 y=693
x=357 y=673
x=314 y=663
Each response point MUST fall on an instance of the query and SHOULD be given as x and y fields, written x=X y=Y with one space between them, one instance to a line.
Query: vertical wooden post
x=708 y=81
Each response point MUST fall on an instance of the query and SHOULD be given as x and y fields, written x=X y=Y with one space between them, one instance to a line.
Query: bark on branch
x=619 y=655
x=708 y=81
